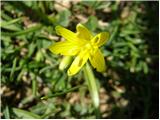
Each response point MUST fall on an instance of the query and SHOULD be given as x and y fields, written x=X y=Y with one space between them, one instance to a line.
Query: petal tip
x=69 y=73
x=79 y=24
x=107 y=35
x=103 y=69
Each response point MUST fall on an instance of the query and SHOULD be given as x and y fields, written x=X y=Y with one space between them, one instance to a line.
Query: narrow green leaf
x=145 y=68
x=103 y=5
x=21 y=74
x=39 y=56
x=23 y=32
x=114 y=34
x=5 y=16
x=34 y=87
x=44 y=69
x=13 y=69
x=12 y=27
x=62 y=93
x=36 y=12
x=31 y=49
x=25 y=114
x=6 y=112
x=132 y=47
x=6 y=23
x=60 y=83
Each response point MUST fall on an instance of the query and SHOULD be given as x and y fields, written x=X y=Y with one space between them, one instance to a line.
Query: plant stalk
x=92 y=86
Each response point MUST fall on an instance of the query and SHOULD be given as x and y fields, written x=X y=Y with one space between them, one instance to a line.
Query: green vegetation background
x=29 y=71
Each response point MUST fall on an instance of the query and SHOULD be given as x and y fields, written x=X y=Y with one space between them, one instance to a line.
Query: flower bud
x=66 y=61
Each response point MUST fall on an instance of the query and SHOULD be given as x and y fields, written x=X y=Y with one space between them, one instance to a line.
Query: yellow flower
x=83 y=45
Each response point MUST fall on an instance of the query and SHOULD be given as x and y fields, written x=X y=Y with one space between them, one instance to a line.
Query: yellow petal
x=78 y=63
x=69 y=35
x=100 y=39
x=97 y=61
x=83 y=32
x=64 y=48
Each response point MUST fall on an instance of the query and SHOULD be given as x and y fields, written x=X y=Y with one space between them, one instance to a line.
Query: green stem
x=61 y=93
x=91 y=81
x=97 y=113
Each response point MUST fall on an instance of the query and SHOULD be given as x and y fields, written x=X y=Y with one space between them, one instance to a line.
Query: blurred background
x=129 y=88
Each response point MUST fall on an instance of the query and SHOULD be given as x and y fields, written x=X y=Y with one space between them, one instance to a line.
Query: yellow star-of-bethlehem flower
x=83 y=45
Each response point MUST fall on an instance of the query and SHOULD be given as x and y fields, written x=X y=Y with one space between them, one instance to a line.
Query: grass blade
x=6 y=113
x=23 y=32
x=13 y=69
x=61 y=93
x=6 y=23
x=25 y=114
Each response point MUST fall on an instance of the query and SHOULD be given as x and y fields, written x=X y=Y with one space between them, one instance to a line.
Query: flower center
x=90 y=48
